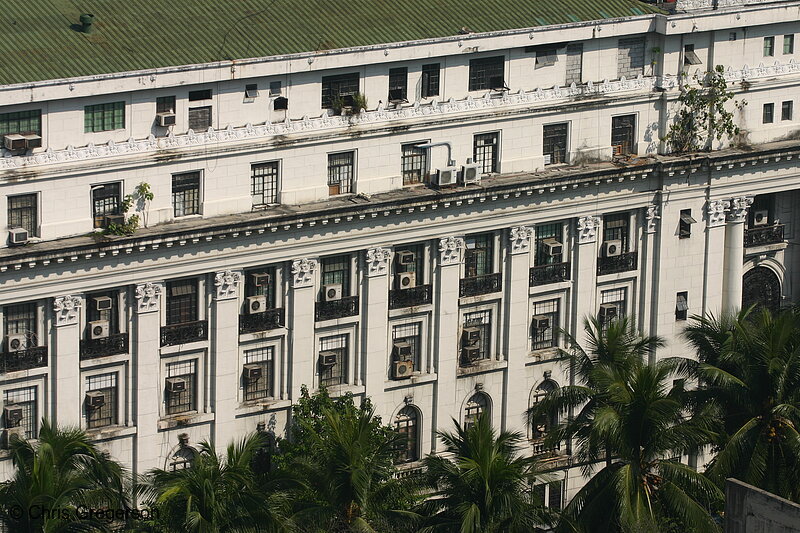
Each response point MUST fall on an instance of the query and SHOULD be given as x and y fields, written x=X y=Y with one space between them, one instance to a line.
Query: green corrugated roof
x=39 y=38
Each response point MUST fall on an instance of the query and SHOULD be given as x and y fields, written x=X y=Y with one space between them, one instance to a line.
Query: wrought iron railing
x=617 y=263
x=269 y=319
x=347 y=306
x=419 y=295
x=111 y=345
x=477 y=285
x=184 y=333
x=544 y=274
x=763 y=235
x=35 y=357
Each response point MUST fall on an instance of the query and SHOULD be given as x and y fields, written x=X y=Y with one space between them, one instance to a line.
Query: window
x=20 y=319
x=275 y=88
x=203 y=94
x=22 y=122
x=546 y=56
x=258 y=373
x=186 y=194
x=430 y=80
x=478 y=256
x=104 y=117
x=685 y=224
x=486 y=73
x=341 y=172
x=788 y=44
x=787 y=110
x=182 y=301
x=336 y=87
x=410 y=258
x=689 y=55
x=24 y=398
x=616 y=228
x=623 y=132
x=106 y=200
x=477 y=334
x=415 y=164
x=484 y=151
x=406 y=424
x=613 y=305
x=542 y=425
x=477 y=405
x=575 y=64
x=412 y=335
x=257 y=285
x=103 y=306
x=554 y=148
x=251 y=91
x=181 y=387
x=550 y=495
x=548 y=235
x=681 y=306
x=264 y=183
x=630 y=57
x=199 y=118
x=768 y=115
x=398 y=84
x=165 y=104
x=23 y=213
x=545 y=324
x=769 y=46
x=333 y=360
x=732 y=36
x=101 y=407
x=336 y=270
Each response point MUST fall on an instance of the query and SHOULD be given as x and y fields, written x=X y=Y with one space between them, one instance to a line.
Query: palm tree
x=481 y=484
x=63 y=471
x=750 y=368
x=217 y=493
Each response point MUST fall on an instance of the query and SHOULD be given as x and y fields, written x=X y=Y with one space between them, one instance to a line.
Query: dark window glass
x=182 y=301
x=199 y=119
x=478 y=257
x=341 y=171
x=264 y=183
x=542 y=425
x=787 y=110
x=417 y=265
x=406 y=424
x=430 y=80
x=265 y=287
x=615 y=227
x=485 y=151
x=482 y=320
x=105 y=414
x=186 y=194
x=22 y=122
x=185 y=400
x=335 y=87
x=555 y=143
x=682 y=306
x=769 y=114
x=769 y=46
x=22 y=213
x=398 y=84
x=104 y=117
x=21 y=319
x=554 y=500
x=411 y=334
x=788 y=44
x=415 y=164
x=545 y=337
x=165 y=104
x=106 y=200
x=251 y=90
x=477 y=405
x=623 y=129
x=336 y=373
x=486 y=73
x=203 y=94
x=336 y=269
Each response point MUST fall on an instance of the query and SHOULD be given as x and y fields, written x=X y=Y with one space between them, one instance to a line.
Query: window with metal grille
x=335 y=87
x=398 y=84
x=417 y=265
x=105 y=414
x=618 y=298
x=484 y=151
x=616 y=227
x=430 y=80
x=22 y=122
x=478 y=256
x=111 y=315
x=186 y=194
x=542 y=425
x=682 y=306
x=623 y=131
x=104 y=117
x=165 y=104
x=185 y=400
x=336 y=373
x=335 y=270
x=23 y=213
x=574 y=64
x=689 y=55
x=26 y=399
x=257 y=389
x=768 y=114
x=477 y=405
x=554 y=147
x=483 y=321
x=182 y=301
x=406 y=425
x=787 y=110
x=106 y=200
x=20 y=319
x=769 y=46
x=546 y=234
x=265 y=287
x=200 y=118
x=264 y=183
x=788 y=44
x=630 y=57
x=545 y=335
x=486 y=73
x=414 y=164
x=412 y=334
x=341 y=171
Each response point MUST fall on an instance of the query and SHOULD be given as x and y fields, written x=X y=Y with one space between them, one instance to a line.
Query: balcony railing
x=187 y=332
x=477 y=285
x=545 y=274
x=763 y=235
x=419 y=295
x=35 y=357
x=617 y=263
x=269 y=319
x=347 y=306
x=111 y=345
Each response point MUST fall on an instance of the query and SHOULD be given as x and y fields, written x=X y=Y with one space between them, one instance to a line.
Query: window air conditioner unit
x=553 y=247
x=12 y=434
x=118 y=220
x=14 y=141
x=471 y=173
x=256 y=304
x=98 y=329
x=95 y=399
x=401 y=350
x=445 y=177
x=18 y=236
x=176 y=385
x=470 y=354
x=281 y=103
x=260 y=279
x=760 y=217
x=102 y=303
x=406 y=280
x=333 y=292
x=16 y=342
x=541 y=322
x=12 y=415
x=612 y=248
x=608 y=312
x=32 y=141
x=165 y=119
x=252 y=372
x=406 y=258
x=327 y=358
x=471 y=335
x=403 y=369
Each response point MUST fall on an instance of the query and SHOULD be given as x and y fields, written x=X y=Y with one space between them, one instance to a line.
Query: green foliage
x=339 y=106
x=140 y=198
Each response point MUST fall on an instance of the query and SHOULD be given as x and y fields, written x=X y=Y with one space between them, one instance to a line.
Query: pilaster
x=224 y=357
x=585 y=271
x=66 y=360
x=650 y=270
x=715 y=255
x=374 y=356
x=734 y=253
x=302 y=351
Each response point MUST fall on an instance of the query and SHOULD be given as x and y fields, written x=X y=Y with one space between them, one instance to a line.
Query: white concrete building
x=292 y=240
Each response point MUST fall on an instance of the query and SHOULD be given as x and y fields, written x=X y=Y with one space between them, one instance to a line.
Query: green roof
x=39 y=39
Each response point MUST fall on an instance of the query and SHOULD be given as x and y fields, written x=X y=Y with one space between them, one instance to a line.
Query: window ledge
x=181 y=348
x=481 y=298
x=765 y=248
x=276 y=333
x=334 y=322
x=486 y=365
x=544 y=355
x=260 y=406
x=417 y=378
x=38 y=371
x=111 y=432
x=341 y=390
x=105 y=360
x=189 y=418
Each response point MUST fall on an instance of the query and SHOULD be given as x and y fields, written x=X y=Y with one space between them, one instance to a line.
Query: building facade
x=295 y=239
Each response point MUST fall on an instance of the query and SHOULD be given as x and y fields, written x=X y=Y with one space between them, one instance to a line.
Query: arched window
x=478 y=404
x=406 y=423
x=762 y=288
x=544 y=423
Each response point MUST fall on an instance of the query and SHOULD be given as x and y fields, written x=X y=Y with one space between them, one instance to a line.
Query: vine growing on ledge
x=141 y=197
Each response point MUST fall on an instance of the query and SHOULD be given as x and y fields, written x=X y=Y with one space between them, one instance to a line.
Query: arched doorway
x=762 y=288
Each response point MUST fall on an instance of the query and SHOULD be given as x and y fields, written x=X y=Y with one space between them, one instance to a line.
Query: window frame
x=351 y=81
x=112 y=412
x=339 y=170
x=483 y=69
x=330 y=275
x=415 y=340
x=98 y=218
x=266 y=359
x=479 y=260
x=414 y=165
x=621 y=125
x=179 y=307
x=550 y=338
x=553 y=141
x=195 y=205
x=274 y=182
x=787 y=110
x=166 y=104
x=117 y=111
x=30 y=118
x=407 y=425
x=16 y=213
x=193 y=119
x=31 y=405
x=769 y=46
x=431 y=80
x=398 y=83
x=482 y=319
x=788 y=44
x=174 y=408
x=768 y=113
x=340 y=343
x=474 y=409
x=489 y=165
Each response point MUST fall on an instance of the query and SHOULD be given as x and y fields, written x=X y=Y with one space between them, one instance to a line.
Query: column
x=66 y=361
x=734 y=253
x=445 y=332
x=302 y=352
x=649 y=267
x=517 y=320
x=224 y=357
x=374 y=357
x=715 y=256
x=148 y=383
x=585 y=271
